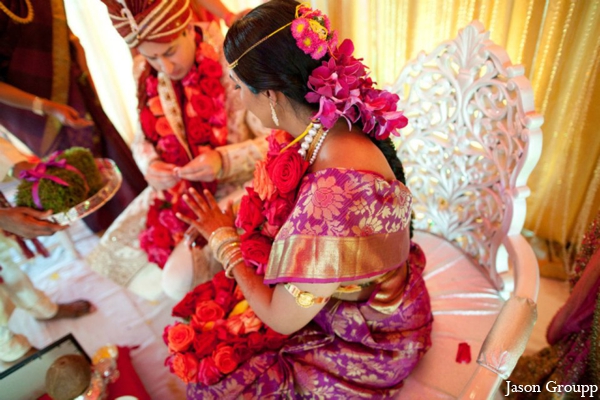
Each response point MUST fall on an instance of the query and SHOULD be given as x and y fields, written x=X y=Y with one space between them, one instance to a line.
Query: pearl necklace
x=312 y=144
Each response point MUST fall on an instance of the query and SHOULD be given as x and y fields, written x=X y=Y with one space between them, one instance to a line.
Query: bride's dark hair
x=278 y=63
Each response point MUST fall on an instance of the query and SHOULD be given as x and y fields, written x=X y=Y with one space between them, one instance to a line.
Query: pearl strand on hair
x=318 y=147
x=305 y=148
x=312 y=132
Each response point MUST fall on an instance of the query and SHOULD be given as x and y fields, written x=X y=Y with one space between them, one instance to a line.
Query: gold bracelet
x=229 y=268
x=225 y=257
x=304 y=299
x=220 y=236
x=225 y=248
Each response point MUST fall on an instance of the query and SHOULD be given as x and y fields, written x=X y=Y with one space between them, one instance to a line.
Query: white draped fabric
x=109 y=61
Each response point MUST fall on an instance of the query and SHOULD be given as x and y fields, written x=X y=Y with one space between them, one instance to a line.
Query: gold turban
x=152 y=20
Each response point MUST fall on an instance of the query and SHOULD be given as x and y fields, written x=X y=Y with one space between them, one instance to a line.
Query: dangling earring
x=274 y=115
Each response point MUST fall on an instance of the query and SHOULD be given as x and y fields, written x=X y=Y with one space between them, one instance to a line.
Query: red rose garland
x=205 y=120
x=221 y=331
x=270 y=201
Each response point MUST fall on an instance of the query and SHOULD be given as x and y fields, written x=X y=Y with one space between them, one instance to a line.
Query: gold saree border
x=61 y=70
x=333 y=259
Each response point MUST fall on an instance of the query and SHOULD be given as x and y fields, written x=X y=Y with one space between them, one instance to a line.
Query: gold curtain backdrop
x=558 y=42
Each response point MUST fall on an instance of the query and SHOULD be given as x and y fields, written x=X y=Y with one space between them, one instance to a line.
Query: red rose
x=278 y=139
x=204 y=343
x=286 y=170
x=223 y=283
x=256 y=340
x=185 y=366
x=148 y=122
x=160 y=236
x=223 y=298
x=180 y=337
x=208 y=373
x=242 y=352
x=152 y=216
x=225 y=359
x=249 y=216
x=256 y=249
x=209 y=311
x=199 y=132
x=274 y=340
x=210 y=68
x=204 y=291
x=203 y=105
x=187 y=306
x=192 y=78
x=158 y=255
x=211 y=87
x=171 y=151
x=152 y=86
x=278 y=210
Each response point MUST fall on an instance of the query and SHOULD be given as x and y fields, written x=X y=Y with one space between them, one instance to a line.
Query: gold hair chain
x=19 y=20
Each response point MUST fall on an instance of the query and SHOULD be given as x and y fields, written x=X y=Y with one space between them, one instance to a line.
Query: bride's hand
x=209 y=216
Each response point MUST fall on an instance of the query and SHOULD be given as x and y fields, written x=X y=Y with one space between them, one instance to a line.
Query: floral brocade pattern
x=351 y=349
x=348 y=203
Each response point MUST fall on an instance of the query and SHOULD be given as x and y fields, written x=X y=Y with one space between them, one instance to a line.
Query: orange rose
x=235 y=325
x=262 y=183
x=251 y=322
x=208 y=51
x=209 y=311
x=185 y=366
x=155 y=106
x=180 y=337
x=163 y=128
x=225 y=359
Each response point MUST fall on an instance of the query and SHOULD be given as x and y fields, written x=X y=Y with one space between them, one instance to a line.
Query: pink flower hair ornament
x=342 y=88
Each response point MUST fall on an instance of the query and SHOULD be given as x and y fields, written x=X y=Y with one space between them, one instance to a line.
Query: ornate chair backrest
x=472 y=140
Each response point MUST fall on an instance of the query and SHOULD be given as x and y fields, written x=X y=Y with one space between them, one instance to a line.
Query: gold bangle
x=229 y=268
x=221 y=236
x=304 y=299
x=230 y=252
x=225 y=246
x=37 y=106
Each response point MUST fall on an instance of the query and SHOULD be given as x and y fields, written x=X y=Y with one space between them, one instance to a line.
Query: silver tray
x=111 y=176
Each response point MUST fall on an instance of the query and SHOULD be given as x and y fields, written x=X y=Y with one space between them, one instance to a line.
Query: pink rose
x=208 y=373
x=160 y=236
x=158 y=255
x=152 y=86
x=167 y=218
x=171 y=151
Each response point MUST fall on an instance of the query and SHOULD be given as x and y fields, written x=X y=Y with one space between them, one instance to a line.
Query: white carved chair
x=472 y=140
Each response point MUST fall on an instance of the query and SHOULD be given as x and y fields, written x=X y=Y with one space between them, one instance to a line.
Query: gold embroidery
x=326 y=257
